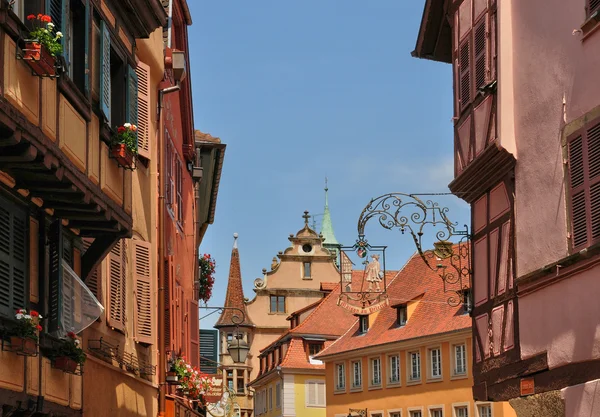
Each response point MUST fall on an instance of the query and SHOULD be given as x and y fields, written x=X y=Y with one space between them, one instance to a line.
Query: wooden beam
x=97 y=251
x=95 y=224
x=27 y=155
x=83 y=208
x=72 y=215
x=50 y=198
x=14 y=139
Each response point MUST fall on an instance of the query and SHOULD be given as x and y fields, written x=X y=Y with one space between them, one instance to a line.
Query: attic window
x=307 y=248
x=467 y=301
x=363 y=324
x=402 y=315
x=314 y=348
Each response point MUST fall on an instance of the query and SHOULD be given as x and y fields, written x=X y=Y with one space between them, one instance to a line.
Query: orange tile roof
x=432 y=315
x=329 y=286
x=234 y=296
x=296 y=358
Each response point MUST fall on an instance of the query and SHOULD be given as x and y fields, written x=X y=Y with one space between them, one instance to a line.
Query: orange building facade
x=410 y=359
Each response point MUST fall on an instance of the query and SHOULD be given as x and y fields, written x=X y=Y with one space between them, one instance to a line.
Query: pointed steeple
x=327 y=227
x=235 y=293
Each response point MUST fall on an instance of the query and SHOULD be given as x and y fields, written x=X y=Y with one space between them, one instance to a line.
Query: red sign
x=527 y=386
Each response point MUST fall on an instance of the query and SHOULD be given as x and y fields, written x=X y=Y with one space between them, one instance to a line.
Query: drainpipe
x=161 y=253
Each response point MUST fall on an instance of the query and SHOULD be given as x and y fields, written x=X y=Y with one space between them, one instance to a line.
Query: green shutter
x=88 y=69
x=132 y=98
x=56 y=273
x=13 y=258
x=66 y=31
x=105 y=98
x=55 y=8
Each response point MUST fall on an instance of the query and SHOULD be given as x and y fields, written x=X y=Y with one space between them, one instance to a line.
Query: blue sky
x=301 y=90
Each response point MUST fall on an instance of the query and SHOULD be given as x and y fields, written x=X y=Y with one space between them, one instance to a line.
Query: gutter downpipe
x=161 y=255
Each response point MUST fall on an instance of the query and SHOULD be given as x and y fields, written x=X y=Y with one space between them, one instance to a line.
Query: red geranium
x=45 y=18
x=39 y=328
x=34 y=313
x=71 y=335
x=31 y=17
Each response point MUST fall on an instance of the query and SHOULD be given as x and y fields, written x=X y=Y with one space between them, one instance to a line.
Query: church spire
x=235 y=293
x=327 y=227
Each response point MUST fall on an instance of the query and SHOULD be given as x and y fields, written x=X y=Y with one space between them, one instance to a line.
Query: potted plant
x=43 y=45
x=206 y=280
x=124 y=145
x=24 y=335
x=192 y=383
x=69 y=354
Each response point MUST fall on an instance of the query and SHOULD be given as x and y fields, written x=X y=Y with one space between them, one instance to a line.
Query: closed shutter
x=167 y=297
x=143 y=122
x=480 y=43
x=34 y=253
x=142 y=274
x=320 y=394
x=194 y=333
x=584 y=178
x=592 y=6
x=55 y=255
x=208 y=351
x=55 y=8
x=88 y=69
x=13 y=259
x=116 y=286
x=464 y=65
x=181 y=319
x=131 y=97
x=105 y=85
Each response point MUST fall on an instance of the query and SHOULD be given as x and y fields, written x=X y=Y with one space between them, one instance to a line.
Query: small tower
x=230 y=323
x=330 y=242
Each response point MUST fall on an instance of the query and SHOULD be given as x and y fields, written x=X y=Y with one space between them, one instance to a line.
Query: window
x=356 y=374
x=13 y=258
x=340 y=376
x=467 y=301
x=270 y=398
x=460 y=359
x=170 y=157
x=415 y=413
x=437 y=412
x=376 y=415
x=394 y=374
x=179 y=191
x=315 y=393
x=484 y=410
x=415 y=366
x=142 y=267
x=363 y=324
x=402 y=315
x=23 y=8
x=395 y=414
x=435 y=358
x=461 y=411
x=241 y=383
x=314 y=348
x=584 y=181
x=277 y=304
x=278 y=395
x=592 y=6
x=117 y=290
x=307 y=270
x=376 y=371
x=229 y=377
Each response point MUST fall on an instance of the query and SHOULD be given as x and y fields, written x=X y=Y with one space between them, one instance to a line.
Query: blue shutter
x=66 y=31
x=56 y=254
x=132 y=98
x=88 y=70
x=105 y=98
x=55 y=8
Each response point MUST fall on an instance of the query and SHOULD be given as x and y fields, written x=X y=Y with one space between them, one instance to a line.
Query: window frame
x=306 y=270
x=430 y=361
x=354 y=386
x=372 y=382
x=363 y=324
x=401 y=311
x=337 y=366
x=396 y=412
x=278 y=300
x=413 y=410
x=455 y=371
x=315 y=383
x=311 y=345
x=484 y=404
x=390 y=373
x=462 y=405
x=434 y=409
x=278 y=395
x=410 y=367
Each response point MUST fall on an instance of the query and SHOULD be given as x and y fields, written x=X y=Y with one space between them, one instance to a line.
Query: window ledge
x=433 y=380
x=591 y=25
x=375 y=387
x=356 y=389
x=413 y=382
x=393 y=385
x=459 y=376
x=339 y=391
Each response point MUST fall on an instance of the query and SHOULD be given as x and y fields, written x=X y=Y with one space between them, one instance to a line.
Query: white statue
x=374 y=273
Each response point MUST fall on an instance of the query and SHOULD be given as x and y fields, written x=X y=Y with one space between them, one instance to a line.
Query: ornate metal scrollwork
x=391 y=212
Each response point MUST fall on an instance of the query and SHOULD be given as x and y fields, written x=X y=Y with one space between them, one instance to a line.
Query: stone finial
x=235 y=238
x=306 y=218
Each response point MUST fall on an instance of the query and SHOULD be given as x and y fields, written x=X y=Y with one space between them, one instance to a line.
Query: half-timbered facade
x=525 y=144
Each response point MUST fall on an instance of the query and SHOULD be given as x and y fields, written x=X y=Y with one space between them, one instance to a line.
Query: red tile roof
x=235 y=295
x=432 y=315
x=329 y=286
x=296 y=358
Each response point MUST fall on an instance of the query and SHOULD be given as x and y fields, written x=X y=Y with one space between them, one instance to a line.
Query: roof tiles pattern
x=235 y=295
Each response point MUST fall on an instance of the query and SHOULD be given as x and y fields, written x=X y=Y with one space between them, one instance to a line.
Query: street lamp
x=237 y=348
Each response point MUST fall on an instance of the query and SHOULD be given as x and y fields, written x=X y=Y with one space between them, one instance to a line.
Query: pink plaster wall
x=562 y=319
x=582 y=400
x=547 y=62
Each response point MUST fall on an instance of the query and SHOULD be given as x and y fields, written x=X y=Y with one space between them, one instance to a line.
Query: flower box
x=24 y=345
x=39 y=59
x=123 y=155
x=65 y=364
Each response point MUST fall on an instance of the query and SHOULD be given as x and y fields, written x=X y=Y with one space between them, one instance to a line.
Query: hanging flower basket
x=123 y=155
x=207 y=279
x=65 y=364
x=39 y=59
x=23 y=345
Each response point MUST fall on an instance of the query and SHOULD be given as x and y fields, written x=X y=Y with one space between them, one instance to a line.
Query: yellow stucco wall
x=272 y=410
x=302 y=409
x=446 y=393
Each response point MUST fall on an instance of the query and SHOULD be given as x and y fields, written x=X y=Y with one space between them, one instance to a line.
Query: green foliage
x=126 y=135
x=71 y=348
x=43 y=32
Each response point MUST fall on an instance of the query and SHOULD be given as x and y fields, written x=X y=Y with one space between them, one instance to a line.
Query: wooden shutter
x=142 y=275
x=55 y=255
x=577 y=180
x=480 y=53
x=167 y=296
x=464 y=80
x=13 y=259
x=143 y=122
x=593 y=141
x=131 y=97
x=592 y=6
x=181 y=319
x=194 y=333
x=55 y=8
x=34 y=252
x=116 y=286
x=92 y=280
x=105 y=86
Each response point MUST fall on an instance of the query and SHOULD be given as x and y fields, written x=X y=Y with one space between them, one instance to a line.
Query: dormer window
x=467 y=301
x=314 y=349
x=307 y=270
x=363 y=324
x=402 y=314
